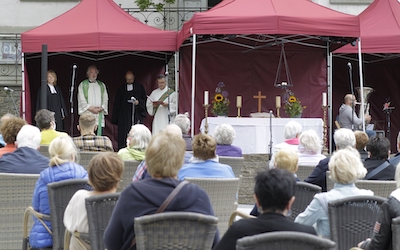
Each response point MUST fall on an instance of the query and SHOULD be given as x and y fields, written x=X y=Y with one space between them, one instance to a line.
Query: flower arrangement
x=293 y=105
x=220 y=102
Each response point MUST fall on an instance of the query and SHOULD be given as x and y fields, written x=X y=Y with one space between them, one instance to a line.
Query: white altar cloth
x=253 y=134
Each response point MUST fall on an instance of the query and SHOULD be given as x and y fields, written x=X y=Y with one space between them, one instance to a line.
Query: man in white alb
x=159 y=102
x=93 y=97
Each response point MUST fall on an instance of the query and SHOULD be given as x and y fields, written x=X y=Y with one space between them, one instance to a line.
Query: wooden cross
x=259 y=97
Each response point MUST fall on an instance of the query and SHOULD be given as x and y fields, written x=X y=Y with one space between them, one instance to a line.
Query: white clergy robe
x=161 y=117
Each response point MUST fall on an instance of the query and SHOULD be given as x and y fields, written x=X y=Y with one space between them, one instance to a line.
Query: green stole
x=85 y=87
x=162 y=98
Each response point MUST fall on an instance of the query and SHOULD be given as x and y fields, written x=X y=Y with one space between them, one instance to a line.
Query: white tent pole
x=176 y=57
x=193 y=80
x=23 y=86
x=360 y=64
x=330 y=112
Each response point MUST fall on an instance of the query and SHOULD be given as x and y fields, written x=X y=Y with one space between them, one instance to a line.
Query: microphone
x=74 y=66
x=349 y=65
x=270 y=112
x=8 y=89
x=133 y=98
x=166 y=73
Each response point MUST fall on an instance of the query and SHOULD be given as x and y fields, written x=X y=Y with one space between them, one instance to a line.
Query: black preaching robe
x=122 y=111
x=55 y=103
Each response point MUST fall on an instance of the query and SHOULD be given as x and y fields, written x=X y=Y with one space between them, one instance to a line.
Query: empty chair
x=175 y=230
x=352 y=219
x=59 y=195
x=284 y=240
x=222 y=193
x=85 y=157
x=16 y=195
x=304 y=195
x=380 y=188
x=99 y=209
x=236 y=163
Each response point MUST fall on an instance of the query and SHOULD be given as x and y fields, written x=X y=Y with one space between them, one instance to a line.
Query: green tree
x=145 y=4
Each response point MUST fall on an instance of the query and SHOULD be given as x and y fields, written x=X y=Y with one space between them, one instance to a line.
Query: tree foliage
x=146 y=4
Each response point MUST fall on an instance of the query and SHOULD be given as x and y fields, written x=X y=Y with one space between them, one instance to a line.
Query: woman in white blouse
x=104 y=171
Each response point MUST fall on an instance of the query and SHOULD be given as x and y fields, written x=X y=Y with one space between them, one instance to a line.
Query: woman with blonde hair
x=345 y=168
x=105 y=171
x=55 y=100
x=164 y=157
x=62 y=166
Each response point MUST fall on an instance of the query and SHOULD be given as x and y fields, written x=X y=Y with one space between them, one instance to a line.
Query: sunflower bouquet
x=293 y=105
x=220 y=102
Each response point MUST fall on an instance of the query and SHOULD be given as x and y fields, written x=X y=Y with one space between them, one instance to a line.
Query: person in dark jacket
x=396 y=159
x=26 y=159
x=343 y=138
x=224 y=135
x=378 y=148
x=164 y=158
x=274 y=194
x=382 y=236
x=62 y=166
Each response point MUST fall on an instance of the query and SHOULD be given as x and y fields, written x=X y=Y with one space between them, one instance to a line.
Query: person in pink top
x=10 y=129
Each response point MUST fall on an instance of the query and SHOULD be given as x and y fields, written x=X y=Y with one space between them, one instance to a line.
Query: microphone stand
x=352 y=93
x=13 y=101
x=71 y=99
x=270 y=135
x=133 y=99
x=169 y=111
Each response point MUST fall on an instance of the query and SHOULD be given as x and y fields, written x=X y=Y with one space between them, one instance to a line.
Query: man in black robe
x=123 y=102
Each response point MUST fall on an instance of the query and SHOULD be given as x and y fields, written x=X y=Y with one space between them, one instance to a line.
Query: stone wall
x=252 y=164
x=6 y=102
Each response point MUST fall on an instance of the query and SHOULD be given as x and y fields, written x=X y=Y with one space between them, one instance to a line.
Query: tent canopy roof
x=271 y=17
x=380 y=28
x=97 y=25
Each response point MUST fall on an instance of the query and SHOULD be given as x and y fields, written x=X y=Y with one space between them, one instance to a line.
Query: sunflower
x=292 y=99
x=218 y=97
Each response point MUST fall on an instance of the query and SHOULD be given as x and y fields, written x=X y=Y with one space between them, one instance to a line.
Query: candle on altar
x=238 y=101
x=205 y=97
x=278 y=102
x=324 y=103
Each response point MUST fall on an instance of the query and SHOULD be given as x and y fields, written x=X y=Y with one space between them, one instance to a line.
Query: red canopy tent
x=380 y=36
x=96 y=32
x=247 y=31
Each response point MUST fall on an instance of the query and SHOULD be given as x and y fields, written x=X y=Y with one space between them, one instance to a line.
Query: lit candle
x=205 y=97
x=324 y=104
x=278 y=101
x=239 y=101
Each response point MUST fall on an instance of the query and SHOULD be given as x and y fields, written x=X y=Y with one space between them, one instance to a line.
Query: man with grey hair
x=26 y=159
x=224 y=134
x=93 y=97
x=183 y=122
x=343 y=138
x=292 y=131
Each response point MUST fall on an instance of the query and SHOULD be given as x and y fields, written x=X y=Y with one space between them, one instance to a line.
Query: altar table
x=253 y=134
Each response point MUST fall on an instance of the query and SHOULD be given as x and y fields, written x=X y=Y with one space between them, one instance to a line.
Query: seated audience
x=136 y=143
x=164 y=157
x=26 y=159
x=141 y=171
x=10 y=129
x=310 y=148
x=224 y=135
x=292 y=131
x=343 y=138
x=274 y=193
x=377 y=165
x=88 y=140
x=396 y=159
x=105 y=172
x=285 y=159
x=204 y=163
x=382 y=237
x=345 y=168
x=183 y=122
x=62 y=164
x=361 y=143
x=47 y=124
x=2 y=120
